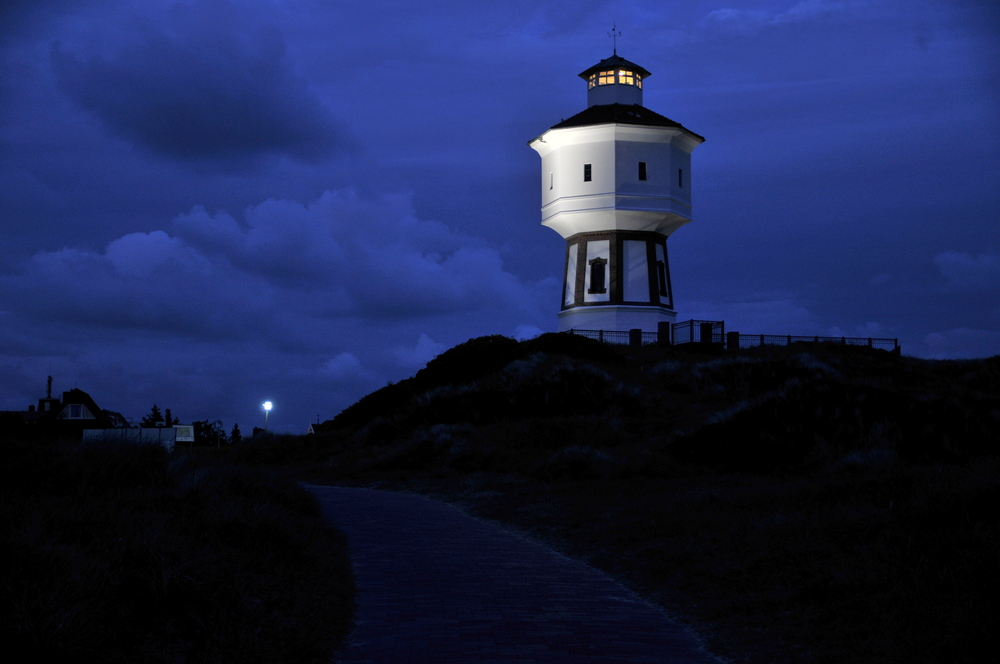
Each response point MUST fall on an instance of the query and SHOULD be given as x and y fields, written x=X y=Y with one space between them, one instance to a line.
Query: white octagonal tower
x=616 y=182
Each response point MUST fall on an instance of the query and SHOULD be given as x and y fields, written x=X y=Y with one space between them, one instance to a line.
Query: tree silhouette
x=209 y=433
x=169 y=420
x=154 y=417
x=236 y=437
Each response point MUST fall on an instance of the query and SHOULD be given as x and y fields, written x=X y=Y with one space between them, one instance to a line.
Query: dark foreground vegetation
x=125 y=554
x=800 y=504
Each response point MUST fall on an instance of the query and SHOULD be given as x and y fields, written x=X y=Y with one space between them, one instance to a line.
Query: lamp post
x=267 y=411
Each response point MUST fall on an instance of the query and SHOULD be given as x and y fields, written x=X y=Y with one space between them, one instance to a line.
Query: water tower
x=616 y=182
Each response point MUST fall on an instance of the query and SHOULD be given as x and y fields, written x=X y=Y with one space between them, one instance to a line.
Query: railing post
x=705 y=338
x=732 y=341
x=600 y=335
x=663 y=333
x=843 y=340
x=762 y=342
x=789 y=342
x=869 y=342
x=635 y=337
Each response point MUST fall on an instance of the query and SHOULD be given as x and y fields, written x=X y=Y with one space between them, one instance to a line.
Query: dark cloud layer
x=203 y=90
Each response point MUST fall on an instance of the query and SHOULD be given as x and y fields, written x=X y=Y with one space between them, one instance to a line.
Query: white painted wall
x=615 y=93
x=614 y=317
x=615 y=199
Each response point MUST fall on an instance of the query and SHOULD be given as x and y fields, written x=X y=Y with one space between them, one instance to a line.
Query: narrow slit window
x=551 y=179
x=597 y=276
x=680 y=178
x=642 y=170
x=586 y=173
x=661 y=274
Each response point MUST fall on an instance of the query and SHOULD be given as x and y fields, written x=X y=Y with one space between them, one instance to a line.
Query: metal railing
x=700 y=331
x=618 y=337
x=756 y=340
x=714 y=332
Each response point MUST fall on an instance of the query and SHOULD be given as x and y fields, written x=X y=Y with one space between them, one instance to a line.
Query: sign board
x=185 y=433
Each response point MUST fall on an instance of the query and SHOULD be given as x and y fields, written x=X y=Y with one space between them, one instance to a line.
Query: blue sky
x=206 y=204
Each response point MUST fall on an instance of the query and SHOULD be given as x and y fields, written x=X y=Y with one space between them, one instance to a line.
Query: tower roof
x=614 y=62
x=621 y=114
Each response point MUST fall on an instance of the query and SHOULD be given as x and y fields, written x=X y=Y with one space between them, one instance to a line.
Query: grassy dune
x=801 y=504
x=124 y=554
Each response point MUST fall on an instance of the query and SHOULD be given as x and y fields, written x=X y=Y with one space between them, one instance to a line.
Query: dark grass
x=805 y=504
x=120 y=553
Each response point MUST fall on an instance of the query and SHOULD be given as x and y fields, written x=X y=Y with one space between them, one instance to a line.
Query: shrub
x=117 y=554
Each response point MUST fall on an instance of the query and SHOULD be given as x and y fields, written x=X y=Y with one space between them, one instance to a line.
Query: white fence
x=165 y=436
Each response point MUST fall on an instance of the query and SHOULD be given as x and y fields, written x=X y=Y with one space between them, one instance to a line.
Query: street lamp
x=267 y=411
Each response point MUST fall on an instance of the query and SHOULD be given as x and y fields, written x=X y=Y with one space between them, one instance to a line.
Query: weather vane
x=615 y=34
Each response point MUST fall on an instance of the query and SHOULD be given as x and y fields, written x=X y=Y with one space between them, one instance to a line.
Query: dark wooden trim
x=666 y=268
x=605 y=277
x=653 y=279
x=615 y=282
x=614 y=277
x=562 y=299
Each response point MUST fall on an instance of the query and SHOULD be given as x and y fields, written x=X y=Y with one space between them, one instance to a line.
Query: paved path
x=440 y=587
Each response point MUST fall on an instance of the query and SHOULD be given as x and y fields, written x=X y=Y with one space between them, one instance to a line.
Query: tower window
x=597 y=273
x=610 y=77
x=680 y=178
x=661 y=274
x=642 y=170
x=551 y=179
x=76 y=411
x=586 y=173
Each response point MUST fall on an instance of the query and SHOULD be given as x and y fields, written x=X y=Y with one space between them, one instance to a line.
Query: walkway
x=436 y=586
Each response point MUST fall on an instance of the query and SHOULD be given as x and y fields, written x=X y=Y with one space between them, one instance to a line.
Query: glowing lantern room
x=614 y=80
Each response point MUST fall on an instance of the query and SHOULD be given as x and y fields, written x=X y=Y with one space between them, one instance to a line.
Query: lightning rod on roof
x=615 y=34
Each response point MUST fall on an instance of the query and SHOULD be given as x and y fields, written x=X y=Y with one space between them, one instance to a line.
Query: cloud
x=425 y=351
x=522 y=332
x=206 y=88
x=288 y=267
x=802 y=11
x=967 y=272
x=960 y=343
x=343 y=366
x=309 y=305
x=770 y=316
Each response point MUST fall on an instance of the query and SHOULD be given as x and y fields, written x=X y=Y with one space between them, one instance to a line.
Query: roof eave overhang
x=614 y=61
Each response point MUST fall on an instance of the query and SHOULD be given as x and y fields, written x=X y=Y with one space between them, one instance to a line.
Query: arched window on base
x=598 y=272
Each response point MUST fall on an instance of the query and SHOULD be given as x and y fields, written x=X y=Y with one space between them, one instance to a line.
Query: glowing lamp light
x=267 y=411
